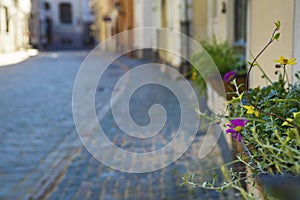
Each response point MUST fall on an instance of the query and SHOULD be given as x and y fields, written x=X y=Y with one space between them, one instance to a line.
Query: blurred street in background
x=42 y=46
x=42 y=156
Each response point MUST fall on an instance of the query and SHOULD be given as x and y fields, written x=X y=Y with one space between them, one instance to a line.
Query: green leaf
x=215 y=177
x=276 y=36
x=192 y=177
x=182 y=184
x=286 y=123
x=204 y=184
x=277 y=24
x=297 y=118
x=291 y=133
x=253 y=64
x=272 y=94
x=236 y=99
x=297 y=75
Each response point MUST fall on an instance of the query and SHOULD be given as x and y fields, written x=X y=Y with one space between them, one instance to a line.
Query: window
x=240 y=28
x=240 y=20
x=65 y=13
x=47 y=6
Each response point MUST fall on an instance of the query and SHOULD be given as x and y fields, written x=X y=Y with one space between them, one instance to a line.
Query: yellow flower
x=251 y=110
x=194 y=76
x=285 y=61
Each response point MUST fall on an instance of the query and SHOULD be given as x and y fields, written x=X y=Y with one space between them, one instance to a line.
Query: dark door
x=49 y=30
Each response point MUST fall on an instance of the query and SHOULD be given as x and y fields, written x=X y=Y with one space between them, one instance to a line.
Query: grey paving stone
x=38 y=134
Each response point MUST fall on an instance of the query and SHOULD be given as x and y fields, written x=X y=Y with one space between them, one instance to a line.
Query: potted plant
x=265 y=121
x=228 y=61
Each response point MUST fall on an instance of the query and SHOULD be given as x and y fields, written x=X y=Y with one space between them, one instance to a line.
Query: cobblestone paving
x=41 y=154
x=86 y=178
x=36 y=126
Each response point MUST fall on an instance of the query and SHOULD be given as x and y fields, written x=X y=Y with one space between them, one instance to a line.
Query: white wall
x=262 y=16
x=173 y=23
x=17 y=37
x=220 y=20
x=143 y=17
x=86 y=10
x=296 y=53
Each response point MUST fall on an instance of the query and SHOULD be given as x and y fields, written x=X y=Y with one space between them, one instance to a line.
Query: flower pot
x=280 y=186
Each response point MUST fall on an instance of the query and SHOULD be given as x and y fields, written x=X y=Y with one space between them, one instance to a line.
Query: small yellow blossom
x=285 y=61
x=194 y=76
x=238 y=129
x=251 y=110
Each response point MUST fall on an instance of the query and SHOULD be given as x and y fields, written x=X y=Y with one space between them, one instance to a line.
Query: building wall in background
x=220 y=20
x=143 y=17
x=176 y=16
x=246 y=24
x=102 y=10
x=262 y=15
x=14 y=33
x=35 y=24
x=296 y=38
x=61 y=23
x=200 y=20
x=125 y=21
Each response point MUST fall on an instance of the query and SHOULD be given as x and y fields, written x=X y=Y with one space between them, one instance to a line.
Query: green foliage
x=277 y=24
x=276 y=37
x=271 y=138
x=274 y=143
x=224 y=56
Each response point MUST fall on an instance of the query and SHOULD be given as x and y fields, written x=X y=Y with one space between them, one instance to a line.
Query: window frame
x=65 y=13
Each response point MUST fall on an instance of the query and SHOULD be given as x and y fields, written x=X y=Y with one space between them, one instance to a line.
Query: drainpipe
x=186 y=27
x=187 y=21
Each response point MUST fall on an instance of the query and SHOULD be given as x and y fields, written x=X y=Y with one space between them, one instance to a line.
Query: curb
x=16 y=57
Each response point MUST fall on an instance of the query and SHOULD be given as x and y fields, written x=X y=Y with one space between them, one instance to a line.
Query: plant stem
x=287 y=77
x=265 y=75
x=247 y=151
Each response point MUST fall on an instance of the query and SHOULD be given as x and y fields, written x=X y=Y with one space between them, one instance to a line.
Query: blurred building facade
x=113 y=17
x=176 y=16
x=248 y=24
x=244 y=24
x=261 y=19
x=14 y=33
x=61 y=23
x=199 y=19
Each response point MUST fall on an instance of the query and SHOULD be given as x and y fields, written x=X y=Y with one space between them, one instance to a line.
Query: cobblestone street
x=42 y=156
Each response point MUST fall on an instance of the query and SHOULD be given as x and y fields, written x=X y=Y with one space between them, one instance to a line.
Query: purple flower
x=235 y=128
x=229 y=76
